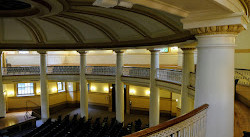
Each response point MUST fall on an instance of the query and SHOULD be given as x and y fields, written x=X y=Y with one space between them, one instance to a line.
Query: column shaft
x=154 y=108
x=187 y=67
x=83 y=86
x=119 y=85
x=44 y=87
x=215 y=82
x=2 y=98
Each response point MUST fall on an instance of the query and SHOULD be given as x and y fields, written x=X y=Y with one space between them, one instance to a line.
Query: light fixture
x=93 y=88
x=54 y=89
x=106 y=89
x=176 y=100
x=112 y=3
x=147 y=92
x=132 y=91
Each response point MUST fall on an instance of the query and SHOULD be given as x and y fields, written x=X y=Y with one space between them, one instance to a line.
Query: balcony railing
x=21 y=70
x=243 y=75
x=136 y=72
x=191 y=124
x=100 y=70
x=63 y=69
x=170 y=75
x=192 y=79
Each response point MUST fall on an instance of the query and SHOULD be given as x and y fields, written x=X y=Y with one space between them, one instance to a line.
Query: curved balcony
x=165 y=75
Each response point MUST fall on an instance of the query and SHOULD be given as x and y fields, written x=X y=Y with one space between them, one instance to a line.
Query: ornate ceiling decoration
x=77 y=24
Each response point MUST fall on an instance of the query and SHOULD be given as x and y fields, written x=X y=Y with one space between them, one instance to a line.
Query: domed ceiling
x=77 y=24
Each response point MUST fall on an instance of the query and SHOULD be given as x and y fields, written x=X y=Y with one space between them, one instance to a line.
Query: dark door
x=113 y=97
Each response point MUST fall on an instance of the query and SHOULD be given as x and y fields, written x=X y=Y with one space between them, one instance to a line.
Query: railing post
x=119 y=87
x=187 y=67
x=83 y=85
x=44 y=86
x=154 y=107
x=2 y=98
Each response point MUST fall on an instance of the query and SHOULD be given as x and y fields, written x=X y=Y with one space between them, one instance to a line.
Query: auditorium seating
x=84 y=128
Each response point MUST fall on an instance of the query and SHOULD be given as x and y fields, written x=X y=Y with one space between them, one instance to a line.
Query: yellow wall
x=99 y=87
x=145 y=91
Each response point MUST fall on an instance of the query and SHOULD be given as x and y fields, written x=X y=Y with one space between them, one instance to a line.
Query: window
x=61 y=86
x=24 y=89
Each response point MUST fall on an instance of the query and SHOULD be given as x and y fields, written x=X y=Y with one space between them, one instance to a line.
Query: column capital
x=82 y=51
x=119 y=51
x=225 y=29
x=42 y=51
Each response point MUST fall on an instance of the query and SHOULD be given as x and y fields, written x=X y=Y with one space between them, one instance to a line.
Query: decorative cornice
x=226 y=29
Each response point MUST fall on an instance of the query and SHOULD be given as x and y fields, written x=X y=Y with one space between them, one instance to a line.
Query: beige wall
x=242 y=55
x=136 y=56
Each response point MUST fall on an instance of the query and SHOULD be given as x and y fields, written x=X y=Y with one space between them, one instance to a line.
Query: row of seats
x=84 y=128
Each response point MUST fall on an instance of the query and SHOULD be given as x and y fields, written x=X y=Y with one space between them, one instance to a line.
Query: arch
x=98 y=25
x=69 y=28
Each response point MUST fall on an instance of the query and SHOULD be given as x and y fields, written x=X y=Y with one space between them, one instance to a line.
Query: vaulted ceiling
x=76 y=24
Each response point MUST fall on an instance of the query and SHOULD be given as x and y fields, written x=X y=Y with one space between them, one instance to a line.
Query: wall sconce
x=176 y=100
x=132 y=91
x=54 y=89
x=93 y=88
x=106 y=89
x=148 y=92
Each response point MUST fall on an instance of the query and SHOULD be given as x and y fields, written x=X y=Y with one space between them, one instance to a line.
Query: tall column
x=83 y=85
x=44 y=86
x=154 y=107
x=2 y=98
x=119 y=87
x=187 y=67
x=215 y=77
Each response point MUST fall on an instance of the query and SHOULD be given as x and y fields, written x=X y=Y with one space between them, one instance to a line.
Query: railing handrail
x=178 y=70
x=242 y=69
x=167 y=124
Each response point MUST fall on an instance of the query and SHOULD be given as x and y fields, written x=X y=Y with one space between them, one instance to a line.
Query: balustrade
x=100 y=70
x=21 y=70
x=170 y=75
x=243 y=75
x=136 y=72
x=192 y=124
x=192 y=79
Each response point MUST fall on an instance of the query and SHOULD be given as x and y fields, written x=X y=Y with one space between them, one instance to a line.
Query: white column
x=83 y=85
x=187 y=67
x=2 y=99
x=154 y=107
x=180 y=58
x=119 y=87
x=215 y=82
x=44 y=86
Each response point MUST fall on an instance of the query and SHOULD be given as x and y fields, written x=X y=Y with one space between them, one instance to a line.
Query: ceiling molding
x=112 y=16
x=135 y=9
x=147 y=13
x=176 y=38
x=98 y=25
x=33 y=29
x=67 y=27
